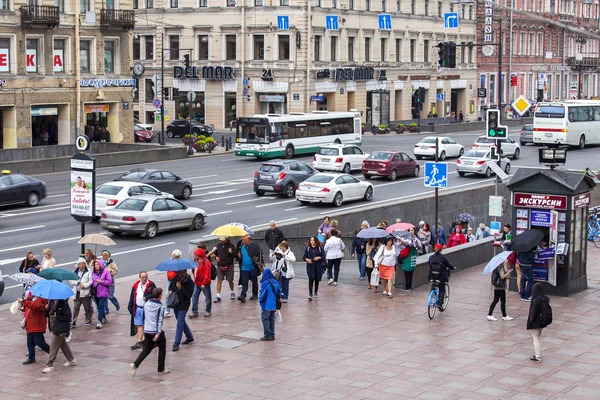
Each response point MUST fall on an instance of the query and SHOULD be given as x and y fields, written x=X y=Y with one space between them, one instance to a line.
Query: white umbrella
x=495 y=261
x=97 y=239
x=26 y=279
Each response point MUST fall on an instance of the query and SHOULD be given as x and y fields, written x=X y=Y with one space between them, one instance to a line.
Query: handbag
x=93 y=290
x=375 y=277
x=173 y=300
x=24 y=321
x=277 y=298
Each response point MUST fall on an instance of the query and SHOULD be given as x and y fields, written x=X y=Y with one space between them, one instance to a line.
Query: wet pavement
x=348 y=344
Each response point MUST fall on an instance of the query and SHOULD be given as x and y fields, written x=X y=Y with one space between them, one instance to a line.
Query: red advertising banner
x=547 y=201
x=582 y=200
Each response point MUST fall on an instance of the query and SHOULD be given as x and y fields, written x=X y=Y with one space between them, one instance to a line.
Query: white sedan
x=109 y=195
x=448 y=148
x=333 y=188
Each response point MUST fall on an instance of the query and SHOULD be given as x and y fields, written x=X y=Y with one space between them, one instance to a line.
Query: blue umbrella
x=51 y=290
x=177 y=264
x=243 y=226
x=372 y=233
x=495 y=261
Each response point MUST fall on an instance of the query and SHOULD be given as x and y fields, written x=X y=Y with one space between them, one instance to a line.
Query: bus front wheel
x=289 y=151
x=581 y=142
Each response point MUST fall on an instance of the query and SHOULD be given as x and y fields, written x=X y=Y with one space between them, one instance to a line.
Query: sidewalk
x=348 y=344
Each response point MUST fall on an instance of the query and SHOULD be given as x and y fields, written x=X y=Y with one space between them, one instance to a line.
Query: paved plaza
x=348 y=344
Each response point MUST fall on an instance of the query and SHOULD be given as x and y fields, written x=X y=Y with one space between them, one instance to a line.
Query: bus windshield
x=550 y=112
x=250 y=132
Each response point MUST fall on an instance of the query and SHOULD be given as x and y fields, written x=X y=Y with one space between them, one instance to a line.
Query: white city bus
x=572 y=123
x=284 y=135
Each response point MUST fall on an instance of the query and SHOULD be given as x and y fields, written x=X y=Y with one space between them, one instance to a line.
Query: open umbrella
x=464 y=217
x=495 y=261
x=526 y=240
x=243 y=226
x=372 y=233
x=58 y=274
x=230 y=230
x=97 y=239
x=176 y=264
x=407 y=238
x=26 y=279
x=400 y=226
x=51 y=290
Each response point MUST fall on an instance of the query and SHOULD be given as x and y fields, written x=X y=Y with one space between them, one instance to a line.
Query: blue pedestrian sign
x=440 y=97
x=385 y=22
x=156 y=103
x=331 y=22
x=283 y=22
x=245 y=81
x=451 y=20
x=436 y=174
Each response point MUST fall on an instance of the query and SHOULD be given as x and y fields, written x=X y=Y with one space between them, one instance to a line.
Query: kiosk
x=555 y=202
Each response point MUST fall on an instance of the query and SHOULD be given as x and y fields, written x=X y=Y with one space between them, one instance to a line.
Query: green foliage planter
x=187 y=139
x=363 y=128
x=203 y=143
x=383 y=129
x=400 y=128
x=413 y=128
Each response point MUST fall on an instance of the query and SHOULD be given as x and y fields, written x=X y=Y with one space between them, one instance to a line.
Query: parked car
x=526 y=134
x=19 y=188
x=281 y=176
x=1 y=283
x=148 y=215
x=339 y=157
x=111 y=194
x=510 y=148
x=181 y=127
x=147 y=127
x=163 y=180
x=448 y=148
x=142 y=135
x=477 y=161
x=390 y=164
x=333 y=188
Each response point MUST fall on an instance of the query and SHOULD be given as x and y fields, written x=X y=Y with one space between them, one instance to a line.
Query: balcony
x=40 y=15
x=110 y=18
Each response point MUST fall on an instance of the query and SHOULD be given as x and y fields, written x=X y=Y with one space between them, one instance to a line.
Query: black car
x=17 y=188
x=281 y=176
x=163 y=180
x=181 y=127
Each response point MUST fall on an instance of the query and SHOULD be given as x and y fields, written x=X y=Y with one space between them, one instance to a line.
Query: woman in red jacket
x=457 y=237
x=35 y=324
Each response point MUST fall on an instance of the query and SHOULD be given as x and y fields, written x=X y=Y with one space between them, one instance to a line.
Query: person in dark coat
x=29 y=262
x=533 y=321
x=136 y=306
x=183 y=286
x=274 y=236
x=439 y=258
x=359 y=250
x=59 y=323
x=314 y=256
x=526 y=260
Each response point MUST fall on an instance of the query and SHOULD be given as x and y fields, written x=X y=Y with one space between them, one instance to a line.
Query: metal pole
x=435 y=224
x=162 y=88
x=511 y=44
x=77 y=73
x=500 y=89
x=82 y=235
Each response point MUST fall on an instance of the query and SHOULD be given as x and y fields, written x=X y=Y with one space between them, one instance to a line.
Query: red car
x=390 y=164
x=142 y=135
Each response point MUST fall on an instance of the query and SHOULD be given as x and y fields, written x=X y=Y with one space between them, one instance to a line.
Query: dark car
x=181 y=127
x=390 y=164
x=142 y=135
x=281 y=176
x=526 y=134
x=163 y=180
x=17 y=188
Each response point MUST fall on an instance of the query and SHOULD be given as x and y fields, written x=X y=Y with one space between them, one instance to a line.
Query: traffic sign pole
x=436 y=199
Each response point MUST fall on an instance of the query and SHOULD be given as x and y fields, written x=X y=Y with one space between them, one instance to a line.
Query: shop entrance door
x=230 y=109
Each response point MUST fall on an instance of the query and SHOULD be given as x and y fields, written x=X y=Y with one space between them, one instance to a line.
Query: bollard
x=210 y=147
x=190 y=149
x=223 y=141
x=227 y=144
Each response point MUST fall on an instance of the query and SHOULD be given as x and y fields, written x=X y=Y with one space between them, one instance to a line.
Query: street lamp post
x=581 y=40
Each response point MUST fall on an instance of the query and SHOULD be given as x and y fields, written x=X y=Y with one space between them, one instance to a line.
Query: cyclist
x=439 y=270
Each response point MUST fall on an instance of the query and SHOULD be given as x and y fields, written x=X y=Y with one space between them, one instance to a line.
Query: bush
x=400 y=128
x=363 y=128
x=210 y=139
x=413 y=127
x=382 y=128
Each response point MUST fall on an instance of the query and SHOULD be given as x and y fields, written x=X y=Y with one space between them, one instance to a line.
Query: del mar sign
x=209 y=73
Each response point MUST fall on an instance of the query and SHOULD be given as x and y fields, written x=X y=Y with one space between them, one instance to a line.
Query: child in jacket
x=270 y=292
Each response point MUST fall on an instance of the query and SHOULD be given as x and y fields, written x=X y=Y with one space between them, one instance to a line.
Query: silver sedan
x=147 y=215
x=477 y=162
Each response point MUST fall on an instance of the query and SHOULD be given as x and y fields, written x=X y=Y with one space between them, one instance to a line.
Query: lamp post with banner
x=83 y=184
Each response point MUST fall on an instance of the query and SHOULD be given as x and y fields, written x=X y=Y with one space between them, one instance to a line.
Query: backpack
x=213 y=272
x=545 y=313
x=436 y=270
x=497 y=281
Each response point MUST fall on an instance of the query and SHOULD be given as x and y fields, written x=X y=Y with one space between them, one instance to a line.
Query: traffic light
x=513 y=80
x=442 y=54
x=166 y=93
x=492 y=123
x=186 y=60
x=502 y=132
x=451 y=55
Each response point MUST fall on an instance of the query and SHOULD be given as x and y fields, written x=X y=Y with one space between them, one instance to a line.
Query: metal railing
x=117 y=18
x=40 y=15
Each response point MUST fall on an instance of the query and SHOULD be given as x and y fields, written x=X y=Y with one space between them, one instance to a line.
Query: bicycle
x=594 y=227
x=432 y=303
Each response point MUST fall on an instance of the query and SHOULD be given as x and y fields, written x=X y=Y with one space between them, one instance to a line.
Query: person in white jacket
x=385 y=260
x=82 y=291
x=334 y=252
x=283 y=268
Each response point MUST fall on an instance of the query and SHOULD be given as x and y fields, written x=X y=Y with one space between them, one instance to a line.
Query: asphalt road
x=222 y=187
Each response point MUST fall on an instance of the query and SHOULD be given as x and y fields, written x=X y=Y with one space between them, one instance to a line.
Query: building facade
x=283 y=56
x=543 y=56
x=40 y=50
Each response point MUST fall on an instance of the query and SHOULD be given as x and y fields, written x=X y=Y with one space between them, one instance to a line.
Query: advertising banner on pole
x=81 y=193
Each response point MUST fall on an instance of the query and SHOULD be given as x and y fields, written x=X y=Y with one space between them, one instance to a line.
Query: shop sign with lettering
x=359 y=74
x=100 y=83
x=582 y=200
x=57 y=60
x=4 y=57
x=211 y=73
x=540 y=201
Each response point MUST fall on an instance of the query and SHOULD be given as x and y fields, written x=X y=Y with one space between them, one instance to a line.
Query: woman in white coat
x=334 y=252
x=283 y=268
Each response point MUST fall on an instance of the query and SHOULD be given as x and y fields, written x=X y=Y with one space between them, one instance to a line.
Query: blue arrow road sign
x=451 y=20
x=385 y=22
x=283 y=22
x=331 y=22
x=436 y=174
x=440 y=97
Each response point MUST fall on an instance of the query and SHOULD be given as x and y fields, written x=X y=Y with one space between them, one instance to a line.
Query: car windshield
x=427 y=140
x=271 y=168
x=475 y=153
x=528 y=127
x=133 y=205
x=550 y=112
x=380 y=155
x=110 y=190
x=133 y=175
x=320 y=179
x=328 y=151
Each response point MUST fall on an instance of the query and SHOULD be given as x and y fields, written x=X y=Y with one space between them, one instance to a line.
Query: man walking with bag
x=250 y=254
x=225 y=256
x=83 y=296
x=141 y=292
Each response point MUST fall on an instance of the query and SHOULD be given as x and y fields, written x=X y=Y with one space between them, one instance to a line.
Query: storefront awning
x=186 y=85
x=270 y=87
x=326 y=87
x=375 y=85
x=418 y=84
x=458 y=84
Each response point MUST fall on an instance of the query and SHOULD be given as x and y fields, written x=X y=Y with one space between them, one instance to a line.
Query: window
x=284 y=2
x=4 y=5
x=57 y=3
x=470 y=54
x=383 y=5
x=333 y=3
x=136 y=48
x=203 y=47
x=58 y=56
x=203 y=3
x=259 y=47
x=540 y=44
x=149 y=3
x=109 y=56
x=258 y=3
x=173 y=47
x=84 y=6
x=4 y=54
x=426 y=7
x=531 y=45
x=350 y=4
x=413 y=48
x=367 y=49
x=413 y=7
x=317 y=49
x=350 y=48
x=284 y=47
x=84 y=56
x=470 y=12
x=334 y=48
x=439 y=9
x=230 y=47
x=368 y=5
x=149 y=47
x=149 y=91
x=383 y=49
x=522 y=44
x=317 y=3
x=426 y=51
x=463 y=49
x=135 y=4
x=398 y=50
x=174 y=3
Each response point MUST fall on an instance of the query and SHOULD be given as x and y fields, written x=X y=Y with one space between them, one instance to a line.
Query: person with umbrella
x=35 y=325
x=101 y=281
x=359 y=250
x=81 y=288
x=500 y=276
x=526 y=259
x=408 y=261
x=111 y=266
x=371 y=249
x=141 y=292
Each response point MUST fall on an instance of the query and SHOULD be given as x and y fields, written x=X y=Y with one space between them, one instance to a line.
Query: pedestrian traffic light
x=186 y=60
x=442 y=54
x=451 y=55
x=492 y=123
x=166 y=93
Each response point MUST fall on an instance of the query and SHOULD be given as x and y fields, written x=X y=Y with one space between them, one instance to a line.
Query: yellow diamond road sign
x=521 y=105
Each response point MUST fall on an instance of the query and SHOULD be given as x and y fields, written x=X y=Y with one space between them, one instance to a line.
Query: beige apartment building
x=41 y=51
x=282 y=56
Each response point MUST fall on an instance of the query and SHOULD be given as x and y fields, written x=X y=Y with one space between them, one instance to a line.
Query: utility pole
x=500 y=88
x=436 y=190
x=162 y=88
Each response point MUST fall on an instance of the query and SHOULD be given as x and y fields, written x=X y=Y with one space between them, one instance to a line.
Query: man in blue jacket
x=270 y=292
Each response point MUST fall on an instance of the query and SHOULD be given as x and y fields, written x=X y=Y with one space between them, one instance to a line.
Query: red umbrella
x=400 y=226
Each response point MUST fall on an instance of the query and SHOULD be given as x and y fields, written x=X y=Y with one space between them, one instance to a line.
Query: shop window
x=383 y=49
x=334 y=48
x=350 y=48
x=85 y=6
x=58 y=55
x=136 y=48
x=203 y=47
x=32 y=55
x=317 y=49
x=149 y=92
x=84 y=56
x=109 y=55
x=174 y=3
x=149 y=40
x=174 y=47
x=230 y=47
x=367 y=49
x=284 y=47
x=259 y=47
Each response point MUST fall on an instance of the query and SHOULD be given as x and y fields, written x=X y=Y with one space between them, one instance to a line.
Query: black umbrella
x=527 y=240
x=464 y=217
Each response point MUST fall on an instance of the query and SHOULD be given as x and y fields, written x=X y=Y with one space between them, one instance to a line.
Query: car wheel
x=150 y=231
x=393 y=175
x=460 y=173
x=338 y=199
x=522 y=143
x=416 y=171
x=347 y=169
x=337 y=141
x=517 y=154
x=369 y=194
x=488 y=173
x=442 y=155
x=418 y=157
x=197 y=223
x=289 y=151
x=197 y=132
x=581 y=142
x=304 y=203
x=186 y=193
x=290 y=191
x=259 y=192
x=116 y=233
x=33 y=199
x=507 y=169
x=367 y=176
x=170 y=134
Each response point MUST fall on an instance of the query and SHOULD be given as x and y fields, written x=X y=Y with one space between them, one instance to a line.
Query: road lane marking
x=228 y=197
x=219 y=213
x=276 y=204
x=111 y=173
x=247 y=201
x=56 y=195
x=38 y=207
x=22 y=229
x=10 y=261
x=295 y=208
x=33 y=212
x=201 y=177
x=44 y=244
x=226 y=183
x=214 y=192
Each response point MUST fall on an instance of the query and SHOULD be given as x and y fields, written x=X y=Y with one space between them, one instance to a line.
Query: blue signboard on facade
x=385 y=22
x=540 y=218
x=331 y=22
x=283 y=22
x=451 y=20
